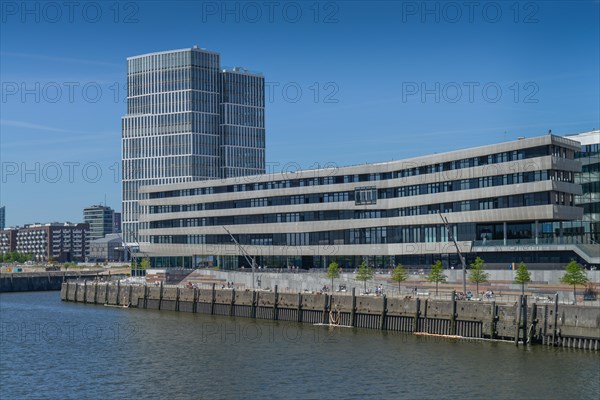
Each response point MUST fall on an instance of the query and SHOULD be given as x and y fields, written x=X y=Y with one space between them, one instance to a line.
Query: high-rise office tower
x=2 y=217
x=188 y=119
x=100 y=219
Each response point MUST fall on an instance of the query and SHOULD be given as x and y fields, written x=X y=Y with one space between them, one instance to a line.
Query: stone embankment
x=550 y=324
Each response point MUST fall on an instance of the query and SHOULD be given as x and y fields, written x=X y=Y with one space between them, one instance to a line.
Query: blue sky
x=349 y=82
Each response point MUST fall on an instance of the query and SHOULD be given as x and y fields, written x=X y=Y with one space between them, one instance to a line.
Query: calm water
x=50 y=349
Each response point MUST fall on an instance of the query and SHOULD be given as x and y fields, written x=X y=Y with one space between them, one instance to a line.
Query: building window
x=365 y=195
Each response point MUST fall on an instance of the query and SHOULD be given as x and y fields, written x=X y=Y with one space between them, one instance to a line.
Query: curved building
x=501 y=201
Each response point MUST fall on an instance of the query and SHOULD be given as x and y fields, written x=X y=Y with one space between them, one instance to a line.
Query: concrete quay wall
x=550 y=324
x=39 y=281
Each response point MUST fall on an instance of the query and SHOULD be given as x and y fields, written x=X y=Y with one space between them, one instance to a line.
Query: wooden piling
x=518 y=319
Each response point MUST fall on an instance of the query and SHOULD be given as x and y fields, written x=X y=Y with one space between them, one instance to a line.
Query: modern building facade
x=55 y=241
x=588 y=229
x=187 y=120
x=2 y=217
x=117 y=222
x=501 y=201
x=100 y=219
x=109 y=248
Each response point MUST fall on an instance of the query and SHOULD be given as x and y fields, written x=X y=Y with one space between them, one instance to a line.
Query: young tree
x=436 y=275
x=399 y=275
x=364 y=274
x=522 y=276
x=145 y=264
x=574 y=275
x=477 y=274
x=333 y=272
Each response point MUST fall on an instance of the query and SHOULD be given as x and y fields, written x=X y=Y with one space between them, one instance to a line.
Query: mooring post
x=145 y=296
x=453 y=316
x=324 y=319
x=85 y=291
x=177 y=293
x=524 y=326
x=555 y=328
x=254 y=303
x=532 y=330
x=195 y=302
x=383 y=313
x=518 y=319
x=96 y=292
x=299 y=311
x=276 y=300
x=212 y=300
x=493 y=321
x=545 y=327
x=232 y=303
x=118 y=292
x=76 y=289
x=353 y=309
x=160 y=296
x=66 y=289
x=417 y=314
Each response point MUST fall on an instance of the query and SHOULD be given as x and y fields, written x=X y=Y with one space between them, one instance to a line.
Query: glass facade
x=187 y=120
x=100 y=220
x=588 y=229
x=510 y=197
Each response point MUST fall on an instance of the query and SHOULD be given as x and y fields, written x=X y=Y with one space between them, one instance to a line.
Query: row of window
x=366 y=195
x=164 y=124
x=376 y=235
x=408 y=169
x=523 y=200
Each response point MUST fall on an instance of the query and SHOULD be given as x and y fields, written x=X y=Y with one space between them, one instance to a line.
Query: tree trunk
x=477 y=286
x=436 y=288
x=332 y=284
x=522 y=288
x=399 y=290
x=574 y=296
x=365 y=286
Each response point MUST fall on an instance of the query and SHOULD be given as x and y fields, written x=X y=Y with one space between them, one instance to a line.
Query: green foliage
x=333 y=272
x=574 y=275
x=364 y=273
x=15 y=256
x=522 y=276
x=437 y=275
x=399 y=275
x=145 y=264
x=477 y=274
